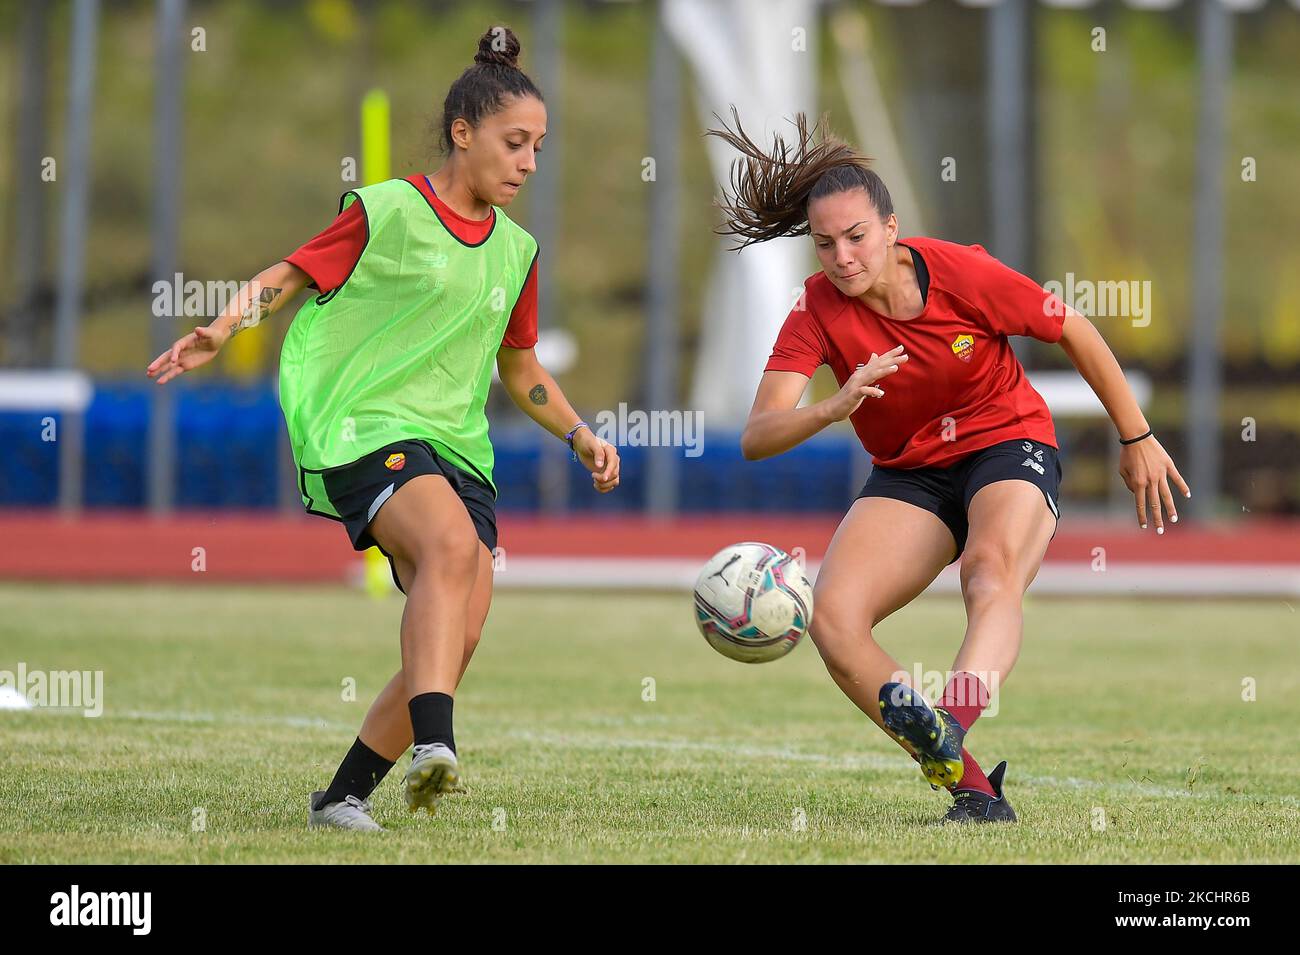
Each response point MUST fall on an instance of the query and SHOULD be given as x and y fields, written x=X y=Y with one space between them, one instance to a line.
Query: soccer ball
x=753 y=602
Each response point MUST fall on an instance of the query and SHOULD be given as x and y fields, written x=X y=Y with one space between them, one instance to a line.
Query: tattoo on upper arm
x=538 y=395
x=257 y=309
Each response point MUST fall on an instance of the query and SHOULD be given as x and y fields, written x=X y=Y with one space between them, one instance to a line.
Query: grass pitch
x=1124 y=724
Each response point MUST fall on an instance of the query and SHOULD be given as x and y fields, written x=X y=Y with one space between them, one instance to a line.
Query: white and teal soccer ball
x=753 y=602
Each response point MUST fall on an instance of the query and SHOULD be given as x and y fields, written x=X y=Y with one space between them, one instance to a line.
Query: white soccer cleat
x=434 y=772
x=351 y=813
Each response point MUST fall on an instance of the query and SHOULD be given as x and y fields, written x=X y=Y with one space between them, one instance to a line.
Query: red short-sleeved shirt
x=330 y=257
x=962 y=388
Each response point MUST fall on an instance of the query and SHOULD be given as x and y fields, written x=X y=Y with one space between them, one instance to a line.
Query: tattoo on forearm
x=257 y=310
x=538 y=395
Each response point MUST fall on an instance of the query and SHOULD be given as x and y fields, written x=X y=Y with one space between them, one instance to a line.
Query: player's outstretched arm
x=777 y=423
x=1144 y=465
x=265 y=293
x=531 y=387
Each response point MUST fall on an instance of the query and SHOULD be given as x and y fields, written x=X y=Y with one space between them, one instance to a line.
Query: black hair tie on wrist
x=1137 y=439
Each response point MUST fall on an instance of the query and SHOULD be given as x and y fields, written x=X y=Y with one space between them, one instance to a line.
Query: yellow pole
x=375 y=137
x=375 y=152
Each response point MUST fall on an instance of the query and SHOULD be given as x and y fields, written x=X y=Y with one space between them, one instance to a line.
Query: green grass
x=228 y=699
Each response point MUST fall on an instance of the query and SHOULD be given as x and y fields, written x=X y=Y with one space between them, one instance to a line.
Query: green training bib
x=404 y=348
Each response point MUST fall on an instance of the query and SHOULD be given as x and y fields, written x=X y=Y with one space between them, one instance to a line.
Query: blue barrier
x=228 y=435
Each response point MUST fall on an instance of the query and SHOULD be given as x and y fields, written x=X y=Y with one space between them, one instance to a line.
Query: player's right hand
x=861 y=383
x=188 y=353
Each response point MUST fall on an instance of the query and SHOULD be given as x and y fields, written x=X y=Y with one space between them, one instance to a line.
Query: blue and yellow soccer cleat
x=931 y=731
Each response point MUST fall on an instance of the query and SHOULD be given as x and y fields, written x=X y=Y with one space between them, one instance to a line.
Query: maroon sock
x=965 y=697
x=972 y=777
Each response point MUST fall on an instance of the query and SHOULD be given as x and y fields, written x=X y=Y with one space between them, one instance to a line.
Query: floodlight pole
x=168 y=143
x=544 y=224
x=661 y=373
x=74 y=174
x=1205 y=373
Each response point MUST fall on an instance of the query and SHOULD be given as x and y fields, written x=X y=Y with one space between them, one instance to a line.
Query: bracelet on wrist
x=569 y=437
x=1140 y=437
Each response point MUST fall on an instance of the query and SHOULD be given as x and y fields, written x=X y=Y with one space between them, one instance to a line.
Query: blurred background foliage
x=271 y=114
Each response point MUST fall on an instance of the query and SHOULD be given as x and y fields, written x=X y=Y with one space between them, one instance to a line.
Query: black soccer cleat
x=932 y=732
x=971 y=805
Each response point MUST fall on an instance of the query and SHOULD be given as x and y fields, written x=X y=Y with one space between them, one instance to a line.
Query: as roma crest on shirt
x=395 y=462
x=963 y=346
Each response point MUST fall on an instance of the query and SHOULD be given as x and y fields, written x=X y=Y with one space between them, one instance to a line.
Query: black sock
x=358 y=775
x=431 y=719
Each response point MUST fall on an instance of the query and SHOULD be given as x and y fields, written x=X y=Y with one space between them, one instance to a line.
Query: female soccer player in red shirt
x=383 y=380
x=963 y=448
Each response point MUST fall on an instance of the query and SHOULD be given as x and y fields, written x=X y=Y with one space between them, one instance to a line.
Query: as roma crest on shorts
x=963 y=346
x=395 y=462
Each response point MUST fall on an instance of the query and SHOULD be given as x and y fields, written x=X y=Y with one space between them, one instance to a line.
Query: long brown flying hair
x=770 y=188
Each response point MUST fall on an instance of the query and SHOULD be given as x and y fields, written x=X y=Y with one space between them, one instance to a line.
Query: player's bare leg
x=387 y=726
x=426 y=526
x=1010 y=524
x=884 y=553
x=429 y=533
x=1010 y=527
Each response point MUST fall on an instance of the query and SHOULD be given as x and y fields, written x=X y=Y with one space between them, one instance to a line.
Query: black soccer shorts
x=358 y=490
x=947 y=491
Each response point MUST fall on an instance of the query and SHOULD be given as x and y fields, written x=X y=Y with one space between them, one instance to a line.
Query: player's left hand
x=1147 y=469
x=598 y=457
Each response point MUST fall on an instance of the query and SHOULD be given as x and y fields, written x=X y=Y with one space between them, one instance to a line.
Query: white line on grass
x=871 y=761
x=854 y=761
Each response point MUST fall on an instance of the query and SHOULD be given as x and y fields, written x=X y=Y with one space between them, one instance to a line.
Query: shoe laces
x=357 y=803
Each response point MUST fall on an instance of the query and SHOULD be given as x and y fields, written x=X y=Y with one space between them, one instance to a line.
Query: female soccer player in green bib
x=384 y=378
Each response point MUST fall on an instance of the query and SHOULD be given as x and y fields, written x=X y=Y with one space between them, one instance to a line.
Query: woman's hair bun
x=500 y=47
